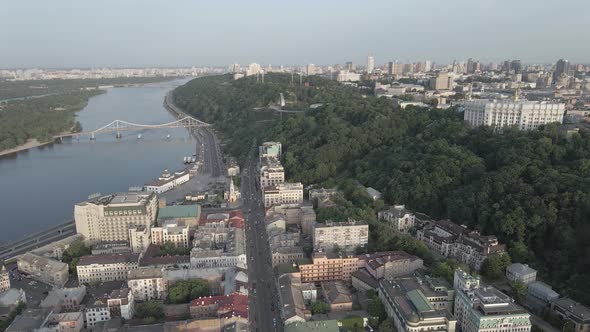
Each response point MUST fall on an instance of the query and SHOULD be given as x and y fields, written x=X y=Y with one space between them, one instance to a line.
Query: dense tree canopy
x=184 y=291
x=531 y=189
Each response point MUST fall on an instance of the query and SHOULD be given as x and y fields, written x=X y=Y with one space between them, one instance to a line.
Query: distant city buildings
x=522 y=114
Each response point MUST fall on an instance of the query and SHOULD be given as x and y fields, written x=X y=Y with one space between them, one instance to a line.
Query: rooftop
x=48 y=264
x=579 y=311
x=145 y=273
x=120 y=199
x=108 y=259
x=57 y=296
x=28 y=320
x=179 y=211
x=336 y=292
x=521 y=269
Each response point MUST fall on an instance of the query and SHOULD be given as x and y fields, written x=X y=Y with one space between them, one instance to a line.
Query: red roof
x=235 y=304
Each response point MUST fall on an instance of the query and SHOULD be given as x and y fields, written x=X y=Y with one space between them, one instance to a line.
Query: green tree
x=150 y=309
x=184 y=291
x=72 y=255
x=518 y=291
x=493 y=267
x=319 y=307
x=377 y=309
x=386 y=326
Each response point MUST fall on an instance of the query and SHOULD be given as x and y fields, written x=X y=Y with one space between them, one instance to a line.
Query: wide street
x=264 y=300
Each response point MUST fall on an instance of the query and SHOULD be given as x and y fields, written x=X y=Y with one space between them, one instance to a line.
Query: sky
x=143 y=33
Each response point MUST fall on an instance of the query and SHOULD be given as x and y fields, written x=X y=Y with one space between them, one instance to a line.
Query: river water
x=39 y=187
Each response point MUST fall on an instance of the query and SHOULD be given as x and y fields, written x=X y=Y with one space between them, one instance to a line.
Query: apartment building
x=295 y=214
x=108 y=218
x=347 y=235
x=522 y=114
x=284 y=193
x=573 y=311
x=64 y=299
x=43 y=269
x=451 y=240
x=286 y=255
x=521 y=272
x=229 y=252
x=328 y=267
x=139 y=238
x=485 y=308
x=271 y=172
x=106 y=267
x=412 y=310
x=390 y=264
x=121 y=303
x=147 y=283
x=4 y=279
x=400 y=219
x=171 y=232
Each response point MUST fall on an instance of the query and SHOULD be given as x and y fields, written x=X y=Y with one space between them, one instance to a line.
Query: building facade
x=412 y=311
x=4 y=279
x=400 y=219
x=521 y=272
x=522 y=114
x=284 y=193
x=485 y=308
x=106 y=267
x=167 y=181
x=43 y=269
x=328 y=267
x=271 y=172
x=171 y=232
x=147 y=283
x=346 y=235
x=108 y=218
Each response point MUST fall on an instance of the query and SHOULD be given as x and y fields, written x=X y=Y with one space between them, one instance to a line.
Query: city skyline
x=66 y=34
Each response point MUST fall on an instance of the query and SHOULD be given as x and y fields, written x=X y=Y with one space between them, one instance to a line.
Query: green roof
x=318 y=326
x=419 y=300
x=179 y=211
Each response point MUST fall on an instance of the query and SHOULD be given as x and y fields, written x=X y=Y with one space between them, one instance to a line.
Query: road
x=37 y=240
x=264 y=299
x=207 y=146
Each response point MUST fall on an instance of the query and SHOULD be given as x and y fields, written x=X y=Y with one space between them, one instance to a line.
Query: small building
x=400 y=219
x=29 y=320
x=97 y=312
x=63 y=322
x=167 y=181
x=373 y=193
x=573 y=311
x=43 y=269
x=337 y=295
x=521 y=272
x=171 y=232
x=363 y=281
x=64 y=299
x=542 y=291
x=121 y=303
x=147 y=283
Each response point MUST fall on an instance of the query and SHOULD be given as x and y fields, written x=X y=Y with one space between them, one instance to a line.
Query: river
x=39 y=187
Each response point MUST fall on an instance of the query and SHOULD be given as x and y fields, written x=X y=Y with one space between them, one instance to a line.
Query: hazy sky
x=85 y=33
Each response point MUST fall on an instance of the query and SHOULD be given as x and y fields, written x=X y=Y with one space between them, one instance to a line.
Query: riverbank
x=31 y=143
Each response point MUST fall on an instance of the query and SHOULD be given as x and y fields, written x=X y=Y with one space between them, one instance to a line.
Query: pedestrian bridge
x=118 y=126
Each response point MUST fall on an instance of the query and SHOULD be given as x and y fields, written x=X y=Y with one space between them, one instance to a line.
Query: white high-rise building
x=109 y=218
x=347 y=235
x=253 y=69
x=370 y=63
x=524 y=114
